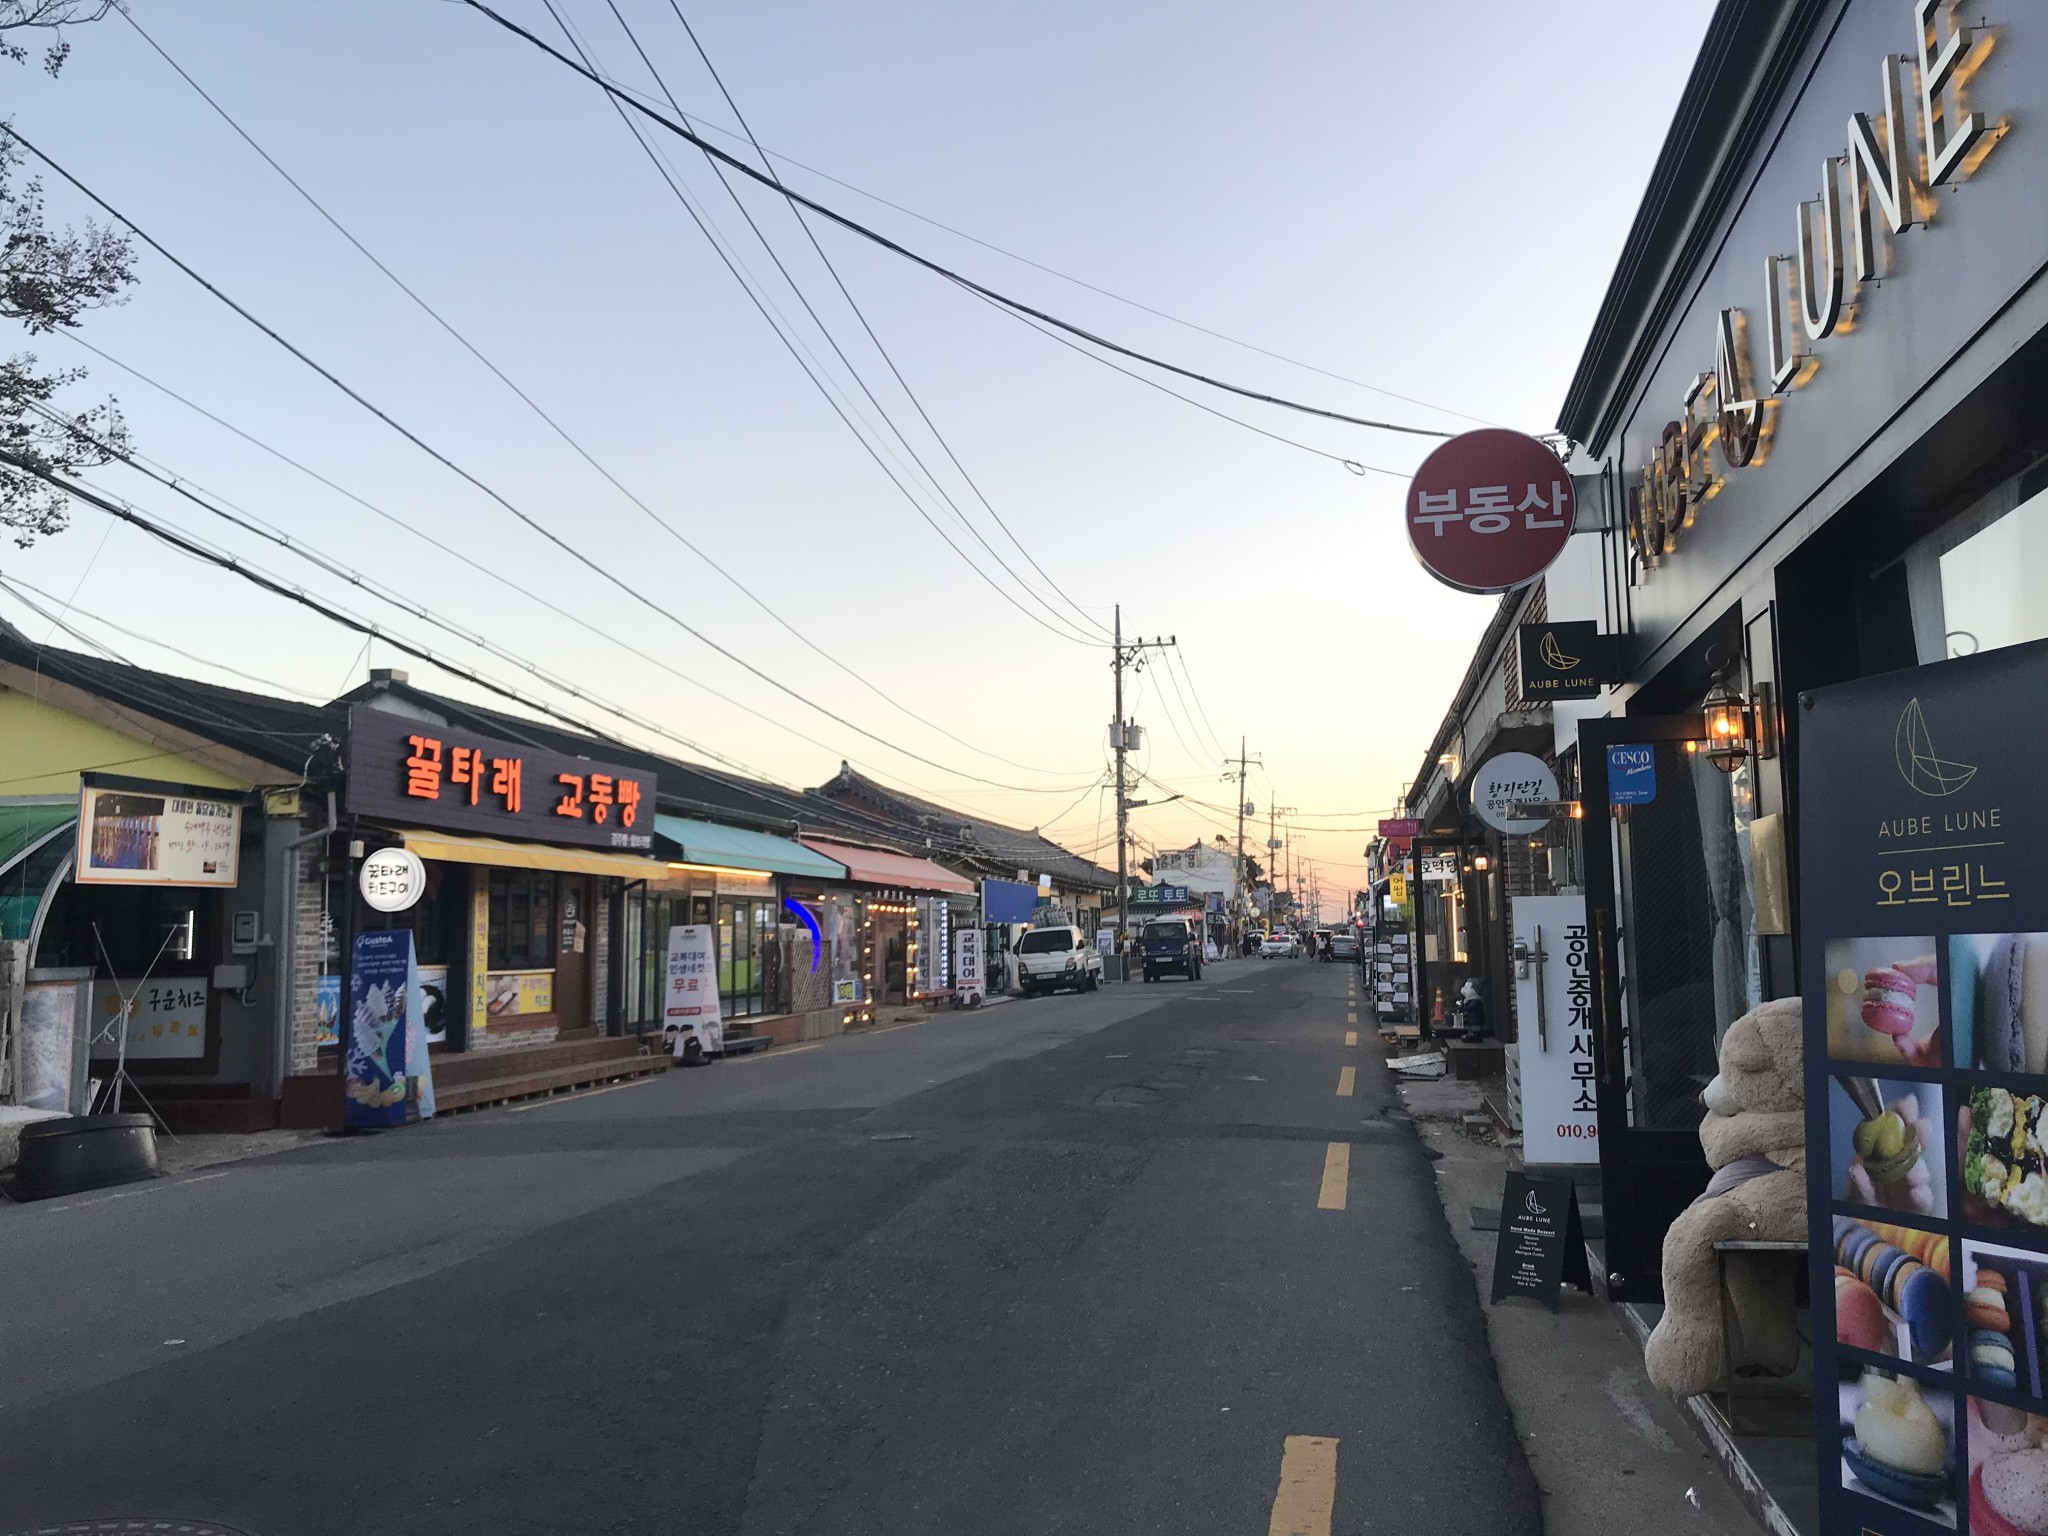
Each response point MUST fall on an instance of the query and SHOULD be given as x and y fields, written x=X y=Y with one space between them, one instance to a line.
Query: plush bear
x=1755 y=1139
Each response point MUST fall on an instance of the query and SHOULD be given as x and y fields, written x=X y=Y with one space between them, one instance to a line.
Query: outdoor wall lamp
x=1725 y=723
x=1479 y=862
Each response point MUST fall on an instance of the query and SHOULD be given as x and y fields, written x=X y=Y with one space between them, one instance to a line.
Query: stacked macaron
x=1907 y=1269
x=1899 y=1449
x=1888 y=996
x=1859 y=1316
x=1992 y=1359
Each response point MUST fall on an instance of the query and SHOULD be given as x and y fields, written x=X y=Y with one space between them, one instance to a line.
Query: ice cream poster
x=381 y=985
x=1924 y=958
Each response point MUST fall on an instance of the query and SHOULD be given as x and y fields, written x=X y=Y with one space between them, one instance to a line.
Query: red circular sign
x=1489 y=511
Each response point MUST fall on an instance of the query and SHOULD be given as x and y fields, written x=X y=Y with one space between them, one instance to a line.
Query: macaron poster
x=1892 y=1291
x=2008 y=1450
x=1900 y=1443
x=1886 y=1145
x=1883 y=1002
x=1998 y=999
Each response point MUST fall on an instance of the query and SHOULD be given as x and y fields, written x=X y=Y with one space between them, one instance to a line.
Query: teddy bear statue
x=1754 y=1134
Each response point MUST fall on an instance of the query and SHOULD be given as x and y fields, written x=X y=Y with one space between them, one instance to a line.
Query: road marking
x=1351 y=1018
x=1336 y=1177
x=1351 y=1037
x=1346 y=1081
x=1308 y=1487
x=781 y=1051
x=129 y=1194
x=520 y=1109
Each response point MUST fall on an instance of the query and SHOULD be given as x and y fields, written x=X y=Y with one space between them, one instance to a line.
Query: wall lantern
x=1725 y=724
x=1479 y=862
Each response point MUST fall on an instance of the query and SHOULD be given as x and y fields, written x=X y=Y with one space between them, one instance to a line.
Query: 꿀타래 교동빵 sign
x=417 y=773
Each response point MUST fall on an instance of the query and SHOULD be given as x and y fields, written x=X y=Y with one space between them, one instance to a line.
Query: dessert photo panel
x=2006 y=1315
x=1892 y=1293
x=1998 y=999
x=2008 y=1456
x=1886 y=1146
x=1883 y=1002
x=2005 y=1172
x=1900 y=1443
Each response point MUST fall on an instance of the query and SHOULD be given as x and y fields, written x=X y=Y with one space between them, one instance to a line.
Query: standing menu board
x=1924 y=952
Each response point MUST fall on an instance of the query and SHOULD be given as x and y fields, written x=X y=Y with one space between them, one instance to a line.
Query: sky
x=1426 y=208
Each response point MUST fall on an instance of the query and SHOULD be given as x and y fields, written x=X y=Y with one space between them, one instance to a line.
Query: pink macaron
x=1888 y=1001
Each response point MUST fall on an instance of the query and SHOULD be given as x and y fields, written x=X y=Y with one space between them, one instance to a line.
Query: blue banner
x=1008 y=901
x=381 y=986
x=1631 y=775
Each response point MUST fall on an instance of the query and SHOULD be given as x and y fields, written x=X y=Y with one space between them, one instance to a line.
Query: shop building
x=1809 y=447
x=201 y=958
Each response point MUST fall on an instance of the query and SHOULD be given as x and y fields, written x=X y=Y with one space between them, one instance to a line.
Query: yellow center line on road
x=1336 y=1177
x=1351 y=1037
x=1346 y=1081
x=1308 y=1487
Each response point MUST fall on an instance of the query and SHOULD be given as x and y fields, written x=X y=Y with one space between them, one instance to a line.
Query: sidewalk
x=1609 y=1453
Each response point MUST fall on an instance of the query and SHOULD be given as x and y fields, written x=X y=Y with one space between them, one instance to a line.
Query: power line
x=584 y=52
x=856 y=227
x=18 y=586
x=533 y=405
x=1176 y=653
x=812 y=368
x=797 y=211
x=412 y=437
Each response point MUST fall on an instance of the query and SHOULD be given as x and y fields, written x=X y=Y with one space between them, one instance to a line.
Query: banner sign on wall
x=381 y=982
x=166 y=1018
x=1554 y=1013
x=1925 y=979
x=134 y=832
x=412 y=772
x=689 y=1011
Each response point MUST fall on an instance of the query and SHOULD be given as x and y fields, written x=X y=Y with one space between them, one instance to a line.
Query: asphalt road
x=1075 y=1265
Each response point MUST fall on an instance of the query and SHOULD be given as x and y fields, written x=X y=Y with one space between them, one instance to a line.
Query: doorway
x=1675 y=963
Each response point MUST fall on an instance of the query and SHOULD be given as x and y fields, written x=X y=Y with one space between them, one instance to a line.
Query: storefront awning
x=568 y=861
x=870 y=866
x=708 y=843
x=35 y=851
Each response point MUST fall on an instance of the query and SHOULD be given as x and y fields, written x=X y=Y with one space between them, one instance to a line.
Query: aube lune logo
x=1534 y=1206
x=1919 y=765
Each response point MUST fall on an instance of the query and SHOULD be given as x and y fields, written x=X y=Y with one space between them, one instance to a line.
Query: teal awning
x=706 y=842
x=35 y=848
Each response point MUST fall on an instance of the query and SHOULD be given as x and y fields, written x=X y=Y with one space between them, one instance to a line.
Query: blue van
x=1169 y=946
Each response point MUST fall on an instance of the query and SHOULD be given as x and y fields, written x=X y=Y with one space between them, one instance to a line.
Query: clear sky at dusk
x=1427 y=199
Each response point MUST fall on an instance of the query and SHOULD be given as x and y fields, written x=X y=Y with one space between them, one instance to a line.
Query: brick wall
x=499 y=1039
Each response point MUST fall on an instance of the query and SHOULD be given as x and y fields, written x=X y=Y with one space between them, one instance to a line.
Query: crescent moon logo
x=1919 y=765
x=1534 y=1206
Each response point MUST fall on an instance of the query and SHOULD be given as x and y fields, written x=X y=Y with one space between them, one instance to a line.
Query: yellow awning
x=569 y=861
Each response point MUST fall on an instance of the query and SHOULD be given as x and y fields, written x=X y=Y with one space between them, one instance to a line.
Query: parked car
x=1279 y=946
x=1169 y=946
x=1051 y=958
x=1344 y=944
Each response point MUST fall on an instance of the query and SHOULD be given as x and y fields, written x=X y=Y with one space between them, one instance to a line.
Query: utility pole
x=1237 y=892
x=1120 y=732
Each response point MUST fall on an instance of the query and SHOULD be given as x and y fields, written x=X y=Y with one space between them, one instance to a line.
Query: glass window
x=1993 y=591
x=1045 y=941
x=522 y=920
x=1978 y=585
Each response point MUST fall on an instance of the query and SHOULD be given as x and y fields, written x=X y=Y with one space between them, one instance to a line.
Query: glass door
x=1675 y=962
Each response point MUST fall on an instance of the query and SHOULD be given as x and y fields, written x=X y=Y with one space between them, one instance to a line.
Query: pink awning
x=871 y=866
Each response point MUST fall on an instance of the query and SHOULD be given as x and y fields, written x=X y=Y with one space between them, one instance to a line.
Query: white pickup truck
x=1051 y=958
